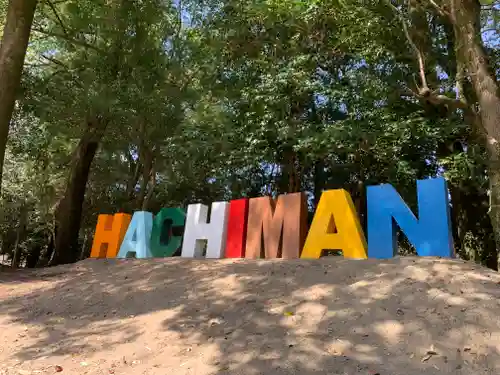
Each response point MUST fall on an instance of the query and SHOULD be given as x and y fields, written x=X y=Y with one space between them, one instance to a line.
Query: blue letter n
x=430 y=234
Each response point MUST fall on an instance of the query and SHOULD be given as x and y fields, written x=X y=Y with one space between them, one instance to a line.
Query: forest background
x=127 y=105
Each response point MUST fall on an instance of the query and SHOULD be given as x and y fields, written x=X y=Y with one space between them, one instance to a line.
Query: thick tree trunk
x=467 y=26
x=69 y=210
x=465 y=17
x=15 y=38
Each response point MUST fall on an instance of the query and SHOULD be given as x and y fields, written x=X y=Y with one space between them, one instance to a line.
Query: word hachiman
x=277 y=228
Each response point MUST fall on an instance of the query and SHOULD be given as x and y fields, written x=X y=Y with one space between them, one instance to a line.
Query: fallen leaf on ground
x=432 y=351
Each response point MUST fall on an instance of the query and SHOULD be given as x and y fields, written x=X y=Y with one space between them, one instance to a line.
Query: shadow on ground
x=329 y=316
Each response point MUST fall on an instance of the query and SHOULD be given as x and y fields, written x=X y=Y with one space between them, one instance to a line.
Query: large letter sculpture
x=138 y=236
x=281 y=228
x=163 y=243
x=109 y=234
x=198 y=231
x=335 y=226
x=430 y=234
x=237 y=228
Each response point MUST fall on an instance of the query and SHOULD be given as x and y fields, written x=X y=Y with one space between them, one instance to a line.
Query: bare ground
x=404 y=316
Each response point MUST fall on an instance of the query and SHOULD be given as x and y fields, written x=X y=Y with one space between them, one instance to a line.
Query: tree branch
x=418 y=53
x=488 y=30
x=438 y=9
x=55 y=61
x=433 y=97
x=54 y=10
x=68 y=39
x=490 y=6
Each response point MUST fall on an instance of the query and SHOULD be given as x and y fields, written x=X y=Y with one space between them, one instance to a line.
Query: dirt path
x=404 y=316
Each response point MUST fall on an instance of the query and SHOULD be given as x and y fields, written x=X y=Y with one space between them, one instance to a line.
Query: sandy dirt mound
x=404 y=316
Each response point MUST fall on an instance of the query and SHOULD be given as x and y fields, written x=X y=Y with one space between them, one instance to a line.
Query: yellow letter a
x=335 y=226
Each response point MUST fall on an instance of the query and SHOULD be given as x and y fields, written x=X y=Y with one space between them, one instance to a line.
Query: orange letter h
x=109 y=234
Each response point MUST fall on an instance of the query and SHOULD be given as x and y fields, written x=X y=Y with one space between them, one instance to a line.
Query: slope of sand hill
x=404 y=316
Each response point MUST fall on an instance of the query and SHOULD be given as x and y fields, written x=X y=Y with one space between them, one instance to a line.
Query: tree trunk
x=458 y=219
x=136 y=166
x=48 y=253
x=151 y=189
x=146 y=159
x=8 y=241
x=15 y=38
x=33 y=256
x=467 y=26
x=494 y=185
x=465 y=17
x=69 y=210
x=359 y=200
x=83 y=252
x=16 y=258
x=135 y=171
x=319 y=181
x=35 y=251
x=290 y=181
